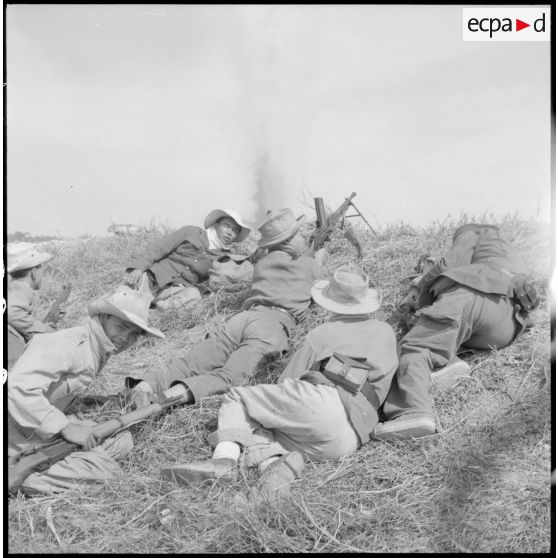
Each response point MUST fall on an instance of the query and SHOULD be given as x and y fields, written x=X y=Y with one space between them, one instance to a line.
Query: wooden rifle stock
x=40 y=458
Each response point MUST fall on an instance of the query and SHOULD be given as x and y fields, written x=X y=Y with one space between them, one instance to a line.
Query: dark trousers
x=459 y=317
x=228 y=357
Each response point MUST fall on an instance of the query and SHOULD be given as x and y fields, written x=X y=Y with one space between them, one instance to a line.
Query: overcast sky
x=154 y=113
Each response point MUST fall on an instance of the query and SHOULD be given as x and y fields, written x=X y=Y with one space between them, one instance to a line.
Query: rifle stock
x=53 y=313
x=40 y=458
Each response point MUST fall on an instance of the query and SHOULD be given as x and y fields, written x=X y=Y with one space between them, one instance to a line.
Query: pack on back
x=230 y=272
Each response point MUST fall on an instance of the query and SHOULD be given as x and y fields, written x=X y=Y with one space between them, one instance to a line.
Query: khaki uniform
x=306 y=412
x=44 y=382
x=21 y=324
x=280 y=294
x=468 y=298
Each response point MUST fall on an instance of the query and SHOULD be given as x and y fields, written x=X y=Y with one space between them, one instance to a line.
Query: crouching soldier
x=280 y=294
x=173 y=266
x=477 y=296
x=57 y=367
x=326 y=403
x=25 y=277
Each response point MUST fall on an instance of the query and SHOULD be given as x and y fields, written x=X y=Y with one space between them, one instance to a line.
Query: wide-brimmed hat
x=25 y=256
x=347 y=292
x=217 y=214
x=278 y=226
x=127 y=304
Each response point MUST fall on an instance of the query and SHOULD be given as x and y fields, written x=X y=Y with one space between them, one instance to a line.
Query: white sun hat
x=347 y=292
x=217 y=214
x=127 y=304
x=25 y=256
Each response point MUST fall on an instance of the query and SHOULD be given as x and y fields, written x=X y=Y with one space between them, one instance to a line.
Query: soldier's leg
x=431 y=343
x=295 y=415
x=88 y=467
x=271 y=421
x=259 y=337
x=495 y=324
x=206 y=357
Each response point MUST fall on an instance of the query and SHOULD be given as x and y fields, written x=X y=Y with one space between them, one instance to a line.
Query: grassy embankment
x=482 y=484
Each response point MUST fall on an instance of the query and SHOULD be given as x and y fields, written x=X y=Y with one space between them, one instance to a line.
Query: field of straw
x=481 y=484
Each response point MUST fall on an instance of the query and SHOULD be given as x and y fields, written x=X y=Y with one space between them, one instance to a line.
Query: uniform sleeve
x=460 y=254
x=19 y=314
x=43 y=364
x=302 y=361
x=165 y=246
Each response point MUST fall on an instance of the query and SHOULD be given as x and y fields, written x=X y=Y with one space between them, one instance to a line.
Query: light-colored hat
x=217 y=214
x=278 y=226
x=346 y=292
x=127 y=304
x=25 y=256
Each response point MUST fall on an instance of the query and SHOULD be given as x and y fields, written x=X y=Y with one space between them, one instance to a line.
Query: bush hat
x=347 y=292
x=25 y=256
x=127 y=304
x=217 y=214
x=278 y=226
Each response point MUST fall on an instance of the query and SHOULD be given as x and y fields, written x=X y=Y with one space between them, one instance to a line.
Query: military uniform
x=466 y=300
x=176 y=263
x=306 y=412
x=21 y=324
x=43 y=384
x=279 y=295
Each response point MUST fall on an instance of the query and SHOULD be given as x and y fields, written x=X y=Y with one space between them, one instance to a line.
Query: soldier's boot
x=447 y=377
x=275 y=482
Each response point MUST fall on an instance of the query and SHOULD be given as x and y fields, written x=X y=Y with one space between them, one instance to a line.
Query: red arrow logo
x=519 y=25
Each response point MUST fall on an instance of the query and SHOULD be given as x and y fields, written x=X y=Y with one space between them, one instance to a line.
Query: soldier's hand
x=81 y=435
x=409 y=304
x=132 y=278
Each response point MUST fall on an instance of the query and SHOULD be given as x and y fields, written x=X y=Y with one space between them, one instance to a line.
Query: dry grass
x=480 y=485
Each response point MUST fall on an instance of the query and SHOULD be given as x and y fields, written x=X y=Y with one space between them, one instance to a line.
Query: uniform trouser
x=173 y=296
x=96 y=465
x=460 y=316
x=16 y=346
x=295 y=415
x=228 y=357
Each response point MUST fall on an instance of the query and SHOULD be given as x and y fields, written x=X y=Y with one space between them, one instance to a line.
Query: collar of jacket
x=99 y=340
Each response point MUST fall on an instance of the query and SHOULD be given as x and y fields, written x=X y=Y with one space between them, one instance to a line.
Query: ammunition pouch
x=525 y=292
x=346 y=372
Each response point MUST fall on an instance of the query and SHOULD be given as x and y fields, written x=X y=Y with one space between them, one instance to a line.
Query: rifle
x=326 y=225
x=53 y=313
x=39 y=458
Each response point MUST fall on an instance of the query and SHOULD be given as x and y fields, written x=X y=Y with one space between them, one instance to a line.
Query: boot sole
x=407 y=428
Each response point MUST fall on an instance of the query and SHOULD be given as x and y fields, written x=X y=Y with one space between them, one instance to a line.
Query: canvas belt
x=371 y=395
x=265 y=307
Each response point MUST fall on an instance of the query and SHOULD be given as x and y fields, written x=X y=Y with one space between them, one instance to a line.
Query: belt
x=254 y=306
x=370 y=394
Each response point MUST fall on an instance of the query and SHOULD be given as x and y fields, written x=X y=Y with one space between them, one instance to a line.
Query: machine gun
x=53 y=313
x=325 y=224
x=40 y=458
